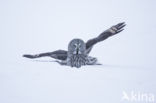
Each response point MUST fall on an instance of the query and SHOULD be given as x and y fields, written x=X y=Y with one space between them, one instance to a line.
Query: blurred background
x=36 y=26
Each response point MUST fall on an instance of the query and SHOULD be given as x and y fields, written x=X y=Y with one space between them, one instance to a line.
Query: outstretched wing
x=59 y=54
x=104 y=35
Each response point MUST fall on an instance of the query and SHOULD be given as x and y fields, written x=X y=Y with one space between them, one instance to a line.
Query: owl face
x=77 y=46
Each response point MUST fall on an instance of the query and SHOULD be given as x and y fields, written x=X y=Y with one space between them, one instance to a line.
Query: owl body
x=77 y=55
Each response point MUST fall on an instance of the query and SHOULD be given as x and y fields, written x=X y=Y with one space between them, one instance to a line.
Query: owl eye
x=75 y=45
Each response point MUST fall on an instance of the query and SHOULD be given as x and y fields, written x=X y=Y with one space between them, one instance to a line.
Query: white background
x=36 y=26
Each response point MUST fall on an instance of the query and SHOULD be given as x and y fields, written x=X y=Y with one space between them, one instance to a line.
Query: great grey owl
x=78 y=51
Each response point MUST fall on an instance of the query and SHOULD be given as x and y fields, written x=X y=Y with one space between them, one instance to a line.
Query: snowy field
x=36 y=26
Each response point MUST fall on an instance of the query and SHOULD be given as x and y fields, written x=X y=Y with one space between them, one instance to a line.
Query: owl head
x=77 y=47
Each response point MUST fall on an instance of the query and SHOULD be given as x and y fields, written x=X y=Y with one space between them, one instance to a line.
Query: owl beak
x=77 y=51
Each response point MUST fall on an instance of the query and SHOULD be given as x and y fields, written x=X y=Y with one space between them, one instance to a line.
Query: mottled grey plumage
x=78 y=51
x=77 y=55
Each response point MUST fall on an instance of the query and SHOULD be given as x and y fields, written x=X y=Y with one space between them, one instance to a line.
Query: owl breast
x=77 y=60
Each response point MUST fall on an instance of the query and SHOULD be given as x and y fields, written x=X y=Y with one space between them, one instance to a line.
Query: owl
x=78 y=51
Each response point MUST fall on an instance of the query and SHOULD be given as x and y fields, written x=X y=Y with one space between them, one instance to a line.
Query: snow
x=41 y=26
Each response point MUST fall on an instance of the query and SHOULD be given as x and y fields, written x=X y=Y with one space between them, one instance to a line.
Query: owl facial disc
x=77 y=46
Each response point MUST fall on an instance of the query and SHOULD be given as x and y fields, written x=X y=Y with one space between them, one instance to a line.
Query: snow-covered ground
x=35 y=26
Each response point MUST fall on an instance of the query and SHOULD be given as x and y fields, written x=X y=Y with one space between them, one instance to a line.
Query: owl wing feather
x=104 y=35
x=58 y=54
